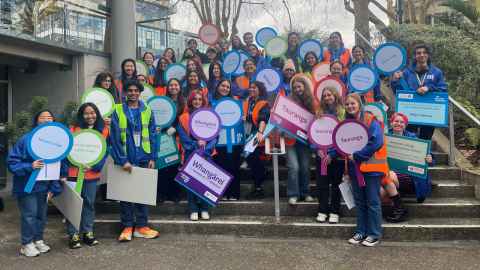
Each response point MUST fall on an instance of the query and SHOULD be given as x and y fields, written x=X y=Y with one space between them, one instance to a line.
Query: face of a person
x=44 y=117
x=216 y=71
x=253 y=51
x=106 y=83
x=197 y=101
x=168 y=54
x=357 y=54
x=192 y=45
x=253 y=90
x=288 y=73
x=298 y=88
x=191 y=65
x=193 y=78
x=351 y=106
x=248 y=38
x=211 y=55
x=148 y=59
x=327 y=97
x=89 y=116
x=129 y=68
x=336 y=70
x=398 y=124
x=335 y=41
x=133 y=93
x=293 y=40
x=141 y=79
x=163 y=64
x=224 y=88
x=310 y=59
x=236 y=41
x=249 y=67
x=421 y=56
x=174 y=88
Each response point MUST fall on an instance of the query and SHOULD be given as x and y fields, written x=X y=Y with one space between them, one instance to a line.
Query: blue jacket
x=135 y=155
x=237 y=90
x=19 y=163
x=434 y=80
x=261 y=63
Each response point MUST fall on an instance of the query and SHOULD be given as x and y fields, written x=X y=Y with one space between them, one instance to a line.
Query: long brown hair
x=306 y=100
x=324 y=108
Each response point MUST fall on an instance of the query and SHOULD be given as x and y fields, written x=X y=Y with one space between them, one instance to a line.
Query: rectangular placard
x=291 y=118
x=407 y=155
x=70 y=204
x=204 y=178
x=168 y=153
x=430 y=109
x=140 y=186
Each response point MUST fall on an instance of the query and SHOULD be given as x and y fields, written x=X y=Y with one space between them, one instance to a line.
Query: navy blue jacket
x=434 y=80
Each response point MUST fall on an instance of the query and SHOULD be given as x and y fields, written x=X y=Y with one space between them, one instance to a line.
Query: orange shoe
x=126 y=235
x=145 y=232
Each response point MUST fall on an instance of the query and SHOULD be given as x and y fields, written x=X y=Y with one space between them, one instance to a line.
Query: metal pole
x=451 y=134
x=276 y=186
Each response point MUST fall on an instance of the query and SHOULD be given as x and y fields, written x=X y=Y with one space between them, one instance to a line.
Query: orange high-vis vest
x=161 y=91
x=243 y=82
x=89 y=175
x=378 y=162
x=256 y=109
x=184 y=120
x=344 y=59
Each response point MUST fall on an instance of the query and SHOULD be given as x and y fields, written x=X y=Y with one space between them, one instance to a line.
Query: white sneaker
x=309 y=199
x=42 y=247
x=333 y=218
x=292 y=201
x=194 y=216
x=321 y=217
x=205 y=215
x=29 y=250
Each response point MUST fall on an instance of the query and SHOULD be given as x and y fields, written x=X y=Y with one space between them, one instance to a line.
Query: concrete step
x=431 y=208
x=425 y=229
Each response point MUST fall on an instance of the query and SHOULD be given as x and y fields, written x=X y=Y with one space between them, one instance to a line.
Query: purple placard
x=204 y=178
x=204 y=124
x=322 y=138
x=350 y=136
x=291 y=117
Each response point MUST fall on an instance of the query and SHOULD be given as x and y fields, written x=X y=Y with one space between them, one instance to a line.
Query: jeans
x=130 y=211
x=328 y=192
x=231 y=163
x=257 y=167
x=298 y=163
x=33 y=212
x=368 y=204
x=89 y=192
x=196 y=204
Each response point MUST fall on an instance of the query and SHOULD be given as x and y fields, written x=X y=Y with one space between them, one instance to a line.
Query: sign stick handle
x=276 y=186
x=31 y=181
x=229 y=140
x=80 y=178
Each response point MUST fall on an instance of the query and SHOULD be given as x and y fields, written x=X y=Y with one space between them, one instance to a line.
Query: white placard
x=70 y=204
x=347 y=194
x=51 y=171
x=140 y=186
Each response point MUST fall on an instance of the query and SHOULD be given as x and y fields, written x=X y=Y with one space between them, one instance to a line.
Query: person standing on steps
x=132 y=137
x=129 y=73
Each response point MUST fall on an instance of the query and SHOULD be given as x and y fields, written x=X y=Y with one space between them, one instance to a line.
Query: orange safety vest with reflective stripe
x=89 y=174
x=161 y=91
x=369 y=96
x=243 y=82
x=378 y=162
x=344 y=58
x=256 y=109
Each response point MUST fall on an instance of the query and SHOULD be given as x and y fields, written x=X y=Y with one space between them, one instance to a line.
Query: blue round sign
x=362 y=78
x=50 y=142
x=243 y=57
x=231 y=61
x=271 y=78
x=310 y=45
x=229 y=111
x=164 y=110
x=177 y=71
x=264 y=35
x=390 y=58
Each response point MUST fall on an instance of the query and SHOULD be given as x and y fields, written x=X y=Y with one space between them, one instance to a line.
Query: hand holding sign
x=101 y=98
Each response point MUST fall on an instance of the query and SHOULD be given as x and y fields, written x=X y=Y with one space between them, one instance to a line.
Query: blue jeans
x=368 y=204
x=196 y=204
x=298 y=163
x=89 y=192
x=130 y=211
x=33 y=211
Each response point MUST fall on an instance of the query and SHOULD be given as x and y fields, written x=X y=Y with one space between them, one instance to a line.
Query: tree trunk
x=362 y=21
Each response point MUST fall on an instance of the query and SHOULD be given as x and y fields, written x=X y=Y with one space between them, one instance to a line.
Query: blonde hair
x=357 y=99
x=307 y=99
x=339 y=109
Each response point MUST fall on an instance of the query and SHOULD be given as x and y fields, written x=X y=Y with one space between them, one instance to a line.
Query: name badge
x=137 y=138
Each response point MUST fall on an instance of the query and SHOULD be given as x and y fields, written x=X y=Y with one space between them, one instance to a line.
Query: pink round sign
x=204 y=124
x=332 y=82
x=320 y=71
x=320 y=131
x=350 y=136
x=209 y=34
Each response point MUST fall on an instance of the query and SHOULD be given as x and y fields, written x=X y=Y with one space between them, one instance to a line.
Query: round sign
x=362 y=78
x=276 y=47
x=329 y=81
x=390 y=58
x=176 y=71
x=101 y=98
x=204 y=124
x=271 y=78
x=310 y=45
x=142 y=68
x=163 y=109
x=209 y=34
x=243 y=57
x=320 y=131
x=147 y=93
x=377 y=110
x=264 y=35
x=350 y=136
x=89 y=148
x=320 y=71
x=231 y=61
x=229 y=111
x=50 y=142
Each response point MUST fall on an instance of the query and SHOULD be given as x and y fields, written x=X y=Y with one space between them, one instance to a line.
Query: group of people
x=131 y=136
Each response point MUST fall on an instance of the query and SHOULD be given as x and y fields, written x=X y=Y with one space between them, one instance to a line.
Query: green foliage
x=473 y=136
x=22 y=121
x=465 y=8
x=69 y=113
x=38 y=104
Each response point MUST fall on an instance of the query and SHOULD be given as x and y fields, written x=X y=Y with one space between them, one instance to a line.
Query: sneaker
x=205 y=215
x=321 y=217
x=309 y=198
x=233 y=199
x=29 y=250
x=292 y=201
x=74 y=242
x=356 y=239
x=333 y=218
x=41 y=246
x=90 y=240
x=370 y=241
x=126 y=235
x=194 y=216
x=145 y=232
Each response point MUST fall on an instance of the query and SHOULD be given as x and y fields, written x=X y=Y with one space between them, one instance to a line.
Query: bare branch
x=382 y=8
x=217 y=12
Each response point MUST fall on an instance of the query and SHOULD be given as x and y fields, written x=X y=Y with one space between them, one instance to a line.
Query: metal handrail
x=464 y=111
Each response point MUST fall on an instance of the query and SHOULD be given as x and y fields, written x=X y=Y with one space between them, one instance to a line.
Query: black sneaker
x=370 y=241
x=356 y=239
x=89 y=239
x=75 y=242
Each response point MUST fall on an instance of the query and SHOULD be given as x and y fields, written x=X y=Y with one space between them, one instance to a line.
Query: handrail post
x=451 y=134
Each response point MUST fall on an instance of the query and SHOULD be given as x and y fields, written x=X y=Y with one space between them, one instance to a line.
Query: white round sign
x=88 y=147
x=320 y=71
x=276 y=47
x=389 y=58
x=270 y=77
x=101 y=98
x=229 y=111
x=362 y=78
x=204 y=124
x=147 y=93
x=176 y=71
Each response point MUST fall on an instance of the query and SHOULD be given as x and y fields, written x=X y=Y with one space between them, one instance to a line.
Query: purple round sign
x=320 y=131
x=350 y=136
x=204 y=124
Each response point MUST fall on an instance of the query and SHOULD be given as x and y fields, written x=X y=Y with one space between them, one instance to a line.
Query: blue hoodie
x=190 y=144
x=434 y=80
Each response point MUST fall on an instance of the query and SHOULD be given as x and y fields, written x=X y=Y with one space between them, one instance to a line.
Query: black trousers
x=423 y=132
x=327 y=185
x=231 y=163
x=257 y=167
x=167 y=188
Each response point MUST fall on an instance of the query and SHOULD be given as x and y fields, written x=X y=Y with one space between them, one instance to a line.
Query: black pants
x=327 y=186
x=423 y=132
x=231 y=163
x=257 y=167
x=167 y=188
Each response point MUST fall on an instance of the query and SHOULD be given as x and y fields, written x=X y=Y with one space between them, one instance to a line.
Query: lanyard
x=134 y=121
x=422 y=80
